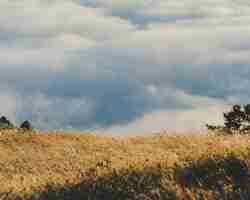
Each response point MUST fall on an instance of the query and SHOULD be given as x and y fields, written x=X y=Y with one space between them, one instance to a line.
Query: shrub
x=26 y=125
x=5 y=123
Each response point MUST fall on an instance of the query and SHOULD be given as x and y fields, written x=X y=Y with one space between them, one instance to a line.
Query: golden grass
x=85 y=166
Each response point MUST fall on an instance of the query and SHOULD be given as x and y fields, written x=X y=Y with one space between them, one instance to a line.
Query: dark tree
x=5 y=123
x=247 y=112
x=237 y=119
x=234 y=118
x=26 y=125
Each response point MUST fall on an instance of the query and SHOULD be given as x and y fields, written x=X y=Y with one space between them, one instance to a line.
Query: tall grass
x=62 y=166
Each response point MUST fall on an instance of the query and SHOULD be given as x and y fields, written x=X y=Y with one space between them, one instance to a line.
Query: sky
x=123 y=66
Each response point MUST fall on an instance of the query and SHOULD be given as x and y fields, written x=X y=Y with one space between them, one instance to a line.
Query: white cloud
x=52 y=18
x=189 y=120
x=54 y=113
x=146 y=59
x=8 y=103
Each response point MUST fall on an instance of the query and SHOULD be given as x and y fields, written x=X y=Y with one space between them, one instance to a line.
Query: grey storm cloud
x=115 y=65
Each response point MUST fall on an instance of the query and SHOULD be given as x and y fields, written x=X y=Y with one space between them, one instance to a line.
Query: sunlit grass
x=86 y=166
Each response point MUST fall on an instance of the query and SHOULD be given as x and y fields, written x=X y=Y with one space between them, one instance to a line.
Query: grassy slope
x=74 y=166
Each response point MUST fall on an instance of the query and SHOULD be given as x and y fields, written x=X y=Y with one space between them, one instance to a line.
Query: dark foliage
x=227 y=178
x=26 y=125
x=5 y=123
x=237 y=119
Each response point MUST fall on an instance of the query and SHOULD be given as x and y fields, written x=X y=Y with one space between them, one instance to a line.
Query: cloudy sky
x=123 y=66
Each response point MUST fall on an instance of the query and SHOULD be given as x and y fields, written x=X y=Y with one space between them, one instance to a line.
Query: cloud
x=8 y=103
x=172 y=120
x=52 y=19
x=143 y=12
x=54 y=113
x=123 y=65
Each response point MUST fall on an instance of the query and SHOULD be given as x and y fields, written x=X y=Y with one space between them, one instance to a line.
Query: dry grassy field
x=60 y=166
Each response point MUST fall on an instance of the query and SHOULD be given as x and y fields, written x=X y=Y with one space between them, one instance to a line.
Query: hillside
x=60 y=166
